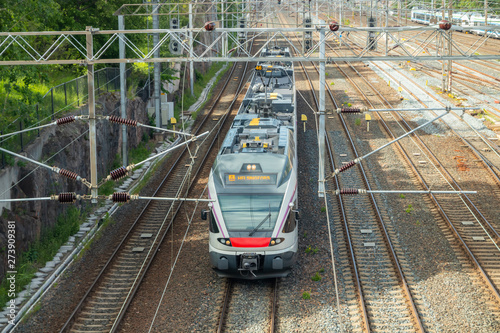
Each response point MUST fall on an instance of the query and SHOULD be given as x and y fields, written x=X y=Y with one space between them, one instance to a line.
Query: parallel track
x=454 y=210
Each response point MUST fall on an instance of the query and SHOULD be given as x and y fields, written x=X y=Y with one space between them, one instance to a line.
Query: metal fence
x=59 y=99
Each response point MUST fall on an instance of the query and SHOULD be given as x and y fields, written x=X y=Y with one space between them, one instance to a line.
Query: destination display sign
x=250 y=179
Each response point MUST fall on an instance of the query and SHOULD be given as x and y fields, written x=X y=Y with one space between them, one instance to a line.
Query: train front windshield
x=250 y=214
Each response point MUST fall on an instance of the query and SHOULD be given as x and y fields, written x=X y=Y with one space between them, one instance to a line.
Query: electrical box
x=167 y=112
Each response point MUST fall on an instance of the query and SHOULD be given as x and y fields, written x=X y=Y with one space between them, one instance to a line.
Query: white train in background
x=459 y=19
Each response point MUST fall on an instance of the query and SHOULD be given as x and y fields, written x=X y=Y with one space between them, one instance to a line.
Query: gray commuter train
x=253 y=219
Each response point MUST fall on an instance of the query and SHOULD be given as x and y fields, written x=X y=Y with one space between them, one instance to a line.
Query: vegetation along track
x=260 y=296
x=106 y=301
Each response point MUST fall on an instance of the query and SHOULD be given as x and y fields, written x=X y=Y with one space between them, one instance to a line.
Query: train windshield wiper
x=268 y=216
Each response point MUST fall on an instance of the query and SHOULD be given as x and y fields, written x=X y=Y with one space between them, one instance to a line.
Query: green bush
x=316 y=277
x=43 y=250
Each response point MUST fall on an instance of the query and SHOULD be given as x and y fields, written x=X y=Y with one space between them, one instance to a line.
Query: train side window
x=290 y=223
x=213 y=224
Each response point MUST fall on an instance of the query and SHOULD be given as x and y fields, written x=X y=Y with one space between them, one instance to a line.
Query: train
x=253 y=211
x=459 y=19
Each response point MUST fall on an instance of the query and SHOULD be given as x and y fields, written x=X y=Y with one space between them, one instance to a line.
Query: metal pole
x=123 y=92
x=443 y=52
x=156 y=39
x=191 y=64
x=321 y=138
x=485 y=13
x=92 y=119
x=450 y=62
x=386 y=25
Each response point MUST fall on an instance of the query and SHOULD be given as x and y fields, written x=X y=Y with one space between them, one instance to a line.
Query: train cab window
x=212 y=224
x=290 y=223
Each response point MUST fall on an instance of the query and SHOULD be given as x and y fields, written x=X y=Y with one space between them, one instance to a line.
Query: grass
x=311 y=250
x=316 y=277
x=409 y=209
x=34 y=310
x=43 y=250
x=357 y=122
x=139 y=154
x=402 y=196
x=306 y=295
x=107 y=188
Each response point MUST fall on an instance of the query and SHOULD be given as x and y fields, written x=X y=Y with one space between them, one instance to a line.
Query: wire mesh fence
x=60 y=99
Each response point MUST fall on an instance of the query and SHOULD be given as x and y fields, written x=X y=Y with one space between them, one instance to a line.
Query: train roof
x=251 y=134
x=275 y=51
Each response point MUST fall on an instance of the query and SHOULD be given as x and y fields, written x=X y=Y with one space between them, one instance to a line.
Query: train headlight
x=225 y=241
x=276 y=241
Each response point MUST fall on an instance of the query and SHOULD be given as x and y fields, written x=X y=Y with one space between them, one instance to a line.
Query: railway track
x=463 y=219
x=384 y=299
x=260 y=296
x=106 y=301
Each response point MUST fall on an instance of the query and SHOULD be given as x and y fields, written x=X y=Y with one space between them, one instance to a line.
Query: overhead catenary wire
x=359 y=159
x=349 y=191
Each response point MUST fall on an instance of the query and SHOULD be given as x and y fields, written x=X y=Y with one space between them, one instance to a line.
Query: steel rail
x=274 y=300
x=225 y=304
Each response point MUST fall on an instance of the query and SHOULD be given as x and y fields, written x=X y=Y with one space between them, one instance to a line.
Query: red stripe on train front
x=250 y=242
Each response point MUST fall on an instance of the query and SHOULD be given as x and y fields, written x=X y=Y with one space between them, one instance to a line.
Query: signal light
x=174 y=23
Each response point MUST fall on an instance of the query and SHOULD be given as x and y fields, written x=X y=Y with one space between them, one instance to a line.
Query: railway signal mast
x=242 y=24
x=174 y=45
x=307 y=39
